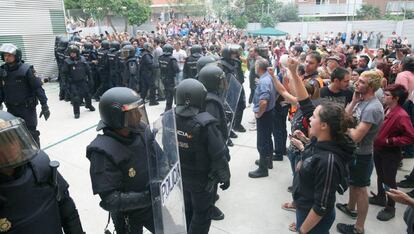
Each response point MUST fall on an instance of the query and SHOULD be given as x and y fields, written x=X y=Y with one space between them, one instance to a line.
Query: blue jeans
x=322 y=227
x=264 y=135
x=279 y=129
x=293 y=156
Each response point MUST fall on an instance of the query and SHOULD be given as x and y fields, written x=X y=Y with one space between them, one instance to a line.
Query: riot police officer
x=118 y=157
x=34 y=197
x=92 y=58
x=190 y=65
x=103 y=69
x=231 y=65
x=60 y=58
x=203 y=61
x=131 y=68
x=213 y=78
x=169 y=70
x=113 y=63
x=20 y=89
x=77 y=73
x=202 y=155
x=146 y=74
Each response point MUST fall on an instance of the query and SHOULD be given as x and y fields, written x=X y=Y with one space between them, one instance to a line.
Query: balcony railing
x=328 y=9
x=397 y=6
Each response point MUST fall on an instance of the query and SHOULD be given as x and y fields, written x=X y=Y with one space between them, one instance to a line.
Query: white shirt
x=180 y=56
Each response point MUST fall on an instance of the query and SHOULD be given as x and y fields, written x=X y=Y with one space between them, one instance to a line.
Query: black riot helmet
x=105 y=44
x=167 y=49
x=57 y=40
x=226 y=52
x=63 y=44
x=203 y=61
x=190 y=97
x=213 y=78
x=124 y=43
x=128 y=51
x=147 y=46
x=115 y=45
x=120 y=108
x=196 y=49
x=76 y=39
x=17 y=146
x=88 y=46
x=73 y=49
x=8 y=48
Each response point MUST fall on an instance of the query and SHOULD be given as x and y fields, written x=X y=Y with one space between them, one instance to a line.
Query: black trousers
x=29 y=115
x=148 y=85
x=241 y=105
x=386 y=165
x=198 y=207
x=169 y=85
x=133 y=222
x=80 y=91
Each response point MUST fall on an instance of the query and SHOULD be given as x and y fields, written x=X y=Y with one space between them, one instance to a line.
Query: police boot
x=233 y=134
x=76 y=111
x=88 y=105
x=261 y=171
x=153 y=103
x=230 y=143
x=217 y=214
x=269 y=163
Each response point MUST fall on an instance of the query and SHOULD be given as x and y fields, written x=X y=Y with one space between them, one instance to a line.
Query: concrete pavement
x=251 y=206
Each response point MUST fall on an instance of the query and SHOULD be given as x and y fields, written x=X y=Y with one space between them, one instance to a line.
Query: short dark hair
x=316 y=55
x=366 y=58
x=408 y=64
x=339 y=73
x=399 y=91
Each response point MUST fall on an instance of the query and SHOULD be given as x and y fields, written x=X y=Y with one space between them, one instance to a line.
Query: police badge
x=131 y=172
x=5 y=225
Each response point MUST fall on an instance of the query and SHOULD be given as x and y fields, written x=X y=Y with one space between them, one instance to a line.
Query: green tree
x=288 y=13
x=72 y=4
x=133 y=11
x=267 y=21
x=368 y=12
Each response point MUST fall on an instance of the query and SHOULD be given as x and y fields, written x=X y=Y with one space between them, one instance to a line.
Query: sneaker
x=239 y=128
x=406 y=184
x=347 y=229
x=386 y=214
x=344 y=208
x=377 y=200
x=217 y=214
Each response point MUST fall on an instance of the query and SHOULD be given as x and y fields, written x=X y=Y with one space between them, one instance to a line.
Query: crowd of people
x=350 y=108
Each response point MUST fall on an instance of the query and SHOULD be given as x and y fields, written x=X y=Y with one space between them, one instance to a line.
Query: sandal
x=292 y=227
x=289 y=206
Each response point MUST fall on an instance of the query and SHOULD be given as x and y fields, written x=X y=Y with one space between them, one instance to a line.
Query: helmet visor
x=135 y=114
x=16 y=144
x=8 y=48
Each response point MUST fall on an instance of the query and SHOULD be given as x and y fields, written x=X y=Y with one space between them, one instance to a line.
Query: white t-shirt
x=180 y=56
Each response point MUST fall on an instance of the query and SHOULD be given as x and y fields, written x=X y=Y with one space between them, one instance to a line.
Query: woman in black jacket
x=322 y=168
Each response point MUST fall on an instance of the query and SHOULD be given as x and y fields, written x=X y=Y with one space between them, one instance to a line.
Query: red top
x=397 y=128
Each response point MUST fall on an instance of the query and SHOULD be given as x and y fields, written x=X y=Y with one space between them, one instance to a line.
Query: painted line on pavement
x=69 y=137
x=245 y=146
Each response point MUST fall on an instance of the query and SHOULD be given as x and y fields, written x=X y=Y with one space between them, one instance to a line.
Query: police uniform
x=169 y=69
x=60 y=55
x=91 y=57
x=77 y=73
x=103 y=70
x=21 y=91
x=34 y=197
x=202 y=155
x=119 y=162
x=190 y=66
x=146 y=74
x=114 y=65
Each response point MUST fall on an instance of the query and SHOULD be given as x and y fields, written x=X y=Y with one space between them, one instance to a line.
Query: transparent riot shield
x=232 y=96
x=165 y=178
